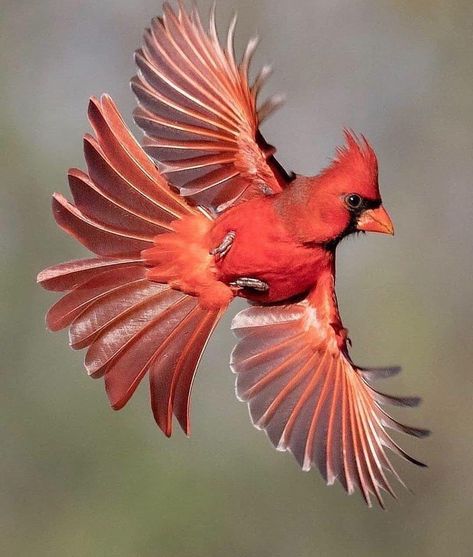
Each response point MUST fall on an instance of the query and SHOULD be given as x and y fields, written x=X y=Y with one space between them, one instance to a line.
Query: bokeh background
x=77 y=479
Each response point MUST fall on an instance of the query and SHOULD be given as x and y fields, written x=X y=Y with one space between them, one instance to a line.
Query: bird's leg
x=247 y=282
x=243 y=282
x=221 y=250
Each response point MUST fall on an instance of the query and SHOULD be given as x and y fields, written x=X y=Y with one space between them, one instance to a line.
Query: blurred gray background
x=80 y=480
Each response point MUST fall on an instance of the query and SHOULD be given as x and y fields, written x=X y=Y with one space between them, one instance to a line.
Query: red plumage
x=200 y=214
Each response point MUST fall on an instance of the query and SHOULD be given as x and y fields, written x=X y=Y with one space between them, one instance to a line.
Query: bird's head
x=344 y=198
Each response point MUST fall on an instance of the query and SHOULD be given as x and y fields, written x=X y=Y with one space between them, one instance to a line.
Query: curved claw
x=247 y=282
x=221 y=250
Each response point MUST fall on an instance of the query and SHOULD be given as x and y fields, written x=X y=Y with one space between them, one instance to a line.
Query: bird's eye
x=353 y=201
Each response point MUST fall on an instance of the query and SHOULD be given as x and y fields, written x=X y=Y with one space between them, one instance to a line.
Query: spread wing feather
x=199 y=112
x=302 y=388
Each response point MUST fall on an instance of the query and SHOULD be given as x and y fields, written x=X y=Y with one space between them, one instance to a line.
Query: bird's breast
x=264 y=249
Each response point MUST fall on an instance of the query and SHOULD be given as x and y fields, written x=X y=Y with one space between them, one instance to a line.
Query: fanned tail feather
x=130 y=323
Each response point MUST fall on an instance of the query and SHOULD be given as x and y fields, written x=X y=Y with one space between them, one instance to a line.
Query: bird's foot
x=221 y=250
x=252 y=283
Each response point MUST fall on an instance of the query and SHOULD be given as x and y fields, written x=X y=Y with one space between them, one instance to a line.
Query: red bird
x=203 y=213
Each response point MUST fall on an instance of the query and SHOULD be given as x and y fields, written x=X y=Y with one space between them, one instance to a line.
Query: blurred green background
x=80 y=480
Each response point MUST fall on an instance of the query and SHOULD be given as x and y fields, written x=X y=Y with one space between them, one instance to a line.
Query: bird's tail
x=148 y=302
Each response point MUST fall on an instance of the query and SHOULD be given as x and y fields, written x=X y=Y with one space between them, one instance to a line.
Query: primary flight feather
x=200 y=214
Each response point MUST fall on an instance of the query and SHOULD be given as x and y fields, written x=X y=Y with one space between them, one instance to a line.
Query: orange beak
x=375 y=220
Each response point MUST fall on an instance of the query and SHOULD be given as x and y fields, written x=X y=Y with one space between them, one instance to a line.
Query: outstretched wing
x=302 y=388
x=199 y=112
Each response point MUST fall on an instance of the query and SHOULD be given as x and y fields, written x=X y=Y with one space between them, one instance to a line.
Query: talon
x=221 y=250
x=247 y=282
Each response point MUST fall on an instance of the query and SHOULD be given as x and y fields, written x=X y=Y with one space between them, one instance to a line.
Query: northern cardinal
x=203 y=213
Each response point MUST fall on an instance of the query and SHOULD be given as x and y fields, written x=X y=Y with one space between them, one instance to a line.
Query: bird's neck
x=307 y=210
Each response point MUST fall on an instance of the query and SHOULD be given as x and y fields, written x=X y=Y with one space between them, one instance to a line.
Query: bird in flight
x=200 y=213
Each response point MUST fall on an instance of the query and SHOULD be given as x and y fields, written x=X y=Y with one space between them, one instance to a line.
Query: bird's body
x=267 y=249
x=203 y=213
